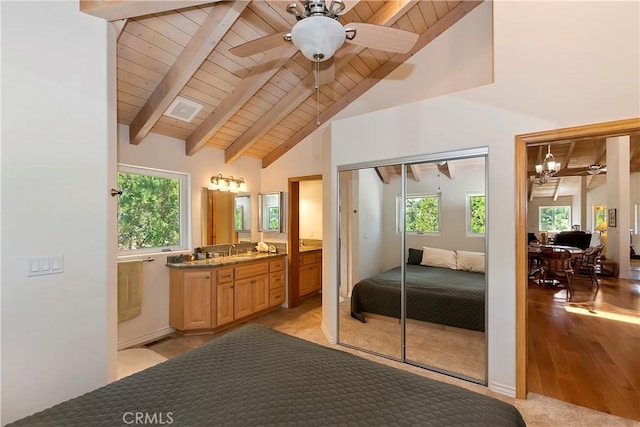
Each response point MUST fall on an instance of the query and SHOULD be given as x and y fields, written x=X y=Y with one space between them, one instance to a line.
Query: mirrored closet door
x=412 y=262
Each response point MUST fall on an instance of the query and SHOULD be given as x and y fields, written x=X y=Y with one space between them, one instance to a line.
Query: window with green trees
x=422 y=214
x=554 y=218
x=152 y=210
x=476 y=214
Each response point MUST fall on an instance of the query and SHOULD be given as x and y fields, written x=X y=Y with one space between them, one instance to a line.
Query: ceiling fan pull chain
x=317 y=87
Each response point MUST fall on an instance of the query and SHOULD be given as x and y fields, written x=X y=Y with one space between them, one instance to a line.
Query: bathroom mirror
x=270 y=212
x=412 y=283
x=226 y=217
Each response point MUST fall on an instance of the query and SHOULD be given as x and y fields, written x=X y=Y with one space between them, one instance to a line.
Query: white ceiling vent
x=183 y=109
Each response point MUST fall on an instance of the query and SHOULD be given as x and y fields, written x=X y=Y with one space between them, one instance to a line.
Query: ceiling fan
x=593 y=169
x=318 y=35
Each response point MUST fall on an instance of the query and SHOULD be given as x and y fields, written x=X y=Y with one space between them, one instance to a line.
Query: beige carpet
x=133 y=360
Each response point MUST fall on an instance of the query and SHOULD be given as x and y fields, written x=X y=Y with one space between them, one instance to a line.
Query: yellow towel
x=129 y=290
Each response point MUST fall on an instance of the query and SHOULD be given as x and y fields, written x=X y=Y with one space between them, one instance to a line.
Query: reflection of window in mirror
x=270 y=212
x=242 y=213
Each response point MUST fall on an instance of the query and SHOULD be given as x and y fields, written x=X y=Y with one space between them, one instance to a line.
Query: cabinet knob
x=206 y=277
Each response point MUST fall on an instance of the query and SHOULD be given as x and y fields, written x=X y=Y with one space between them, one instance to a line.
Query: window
x=476 y=214
x=153 y=210
x=422 y=214
x=554 y=218
x=599 y=218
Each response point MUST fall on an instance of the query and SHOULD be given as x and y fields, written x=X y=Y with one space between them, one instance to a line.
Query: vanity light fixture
x=231 y=184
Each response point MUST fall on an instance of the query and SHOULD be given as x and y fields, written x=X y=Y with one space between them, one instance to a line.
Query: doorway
x=602 y=130
x=294 y=237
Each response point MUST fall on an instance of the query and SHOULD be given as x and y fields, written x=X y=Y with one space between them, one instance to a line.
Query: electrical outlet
x=41 y=266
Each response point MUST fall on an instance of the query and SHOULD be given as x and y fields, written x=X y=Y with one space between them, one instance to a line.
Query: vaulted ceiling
x=259 y=106
x=575 y=157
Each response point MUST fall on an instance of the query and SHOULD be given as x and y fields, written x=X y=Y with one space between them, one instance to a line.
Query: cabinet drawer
x=276 y=280
x=252 y=269
x=276 y=264
x=309 y=258
x=224 y=275
x=276 y=297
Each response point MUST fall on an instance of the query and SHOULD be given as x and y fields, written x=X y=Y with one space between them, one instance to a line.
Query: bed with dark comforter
x=256 y=376
x=434 y=294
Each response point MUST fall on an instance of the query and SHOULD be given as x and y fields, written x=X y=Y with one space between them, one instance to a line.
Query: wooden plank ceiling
x=259 y=106
x=575 y=157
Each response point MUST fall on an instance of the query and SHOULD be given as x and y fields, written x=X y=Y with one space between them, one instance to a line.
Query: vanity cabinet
x=207 y=299
x=224 y=295
x=276 y=282
x=310 y=272
x=191 y=293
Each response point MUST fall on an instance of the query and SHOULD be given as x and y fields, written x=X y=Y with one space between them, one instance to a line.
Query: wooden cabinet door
x=260 y=293
x=243 y=297
x=196 y=299
x=224 y=308
x=304 y=280
x=315 y=277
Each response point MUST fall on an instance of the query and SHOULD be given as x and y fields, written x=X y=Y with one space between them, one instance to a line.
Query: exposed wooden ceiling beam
x=601 y=154
x=384 y=174
x=269 y=66
x=118 y=26
x=446 y=169
x=395 y=61
x=209 y=34
x=387 y=15
x=415 y=171
x=113 y=10
x=246 y=89
x=567 y=159
x=556 y=193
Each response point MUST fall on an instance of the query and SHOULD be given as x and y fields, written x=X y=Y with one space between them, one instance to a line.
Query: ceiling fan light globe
x=318 y=37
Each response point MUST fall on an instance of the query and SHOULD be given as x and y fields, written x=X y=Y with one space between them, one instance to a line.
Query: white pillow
x=434 y=257
x=470 y=261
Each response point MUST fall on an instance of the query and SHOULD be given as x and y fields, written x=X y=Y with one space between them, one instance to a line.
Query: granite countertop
x=310 y=248
x=223 y=261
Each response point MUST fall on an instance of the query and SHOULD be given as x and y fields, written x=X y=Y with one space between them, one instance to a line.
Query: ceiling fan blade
x=259 y=45
x=380 y=37
x=327 y=72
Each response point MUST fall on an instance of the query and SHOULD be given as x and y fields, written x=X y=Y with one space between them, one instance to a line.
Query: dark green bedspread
x=255 y=376
x=437 y=295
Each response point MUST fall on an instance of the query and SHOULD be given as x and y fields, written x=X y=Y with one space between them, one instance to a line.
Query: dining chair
x=588 y=264
x=557 y=263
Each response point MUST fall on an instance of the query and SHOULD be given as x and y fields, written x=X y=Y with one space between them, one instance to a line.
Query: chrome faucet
x=231 y=247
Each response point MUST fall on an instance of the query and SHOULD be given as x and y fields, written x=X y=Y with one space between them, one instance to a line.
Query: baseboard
x=327 y=335
x=151 y=336
x=503 y=389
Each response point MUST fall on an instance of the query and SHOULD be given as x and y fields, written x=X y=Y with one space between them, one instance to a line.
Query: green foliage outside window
x=477 y=211
x=554 y=218
x=422 y=214
x=148 y=211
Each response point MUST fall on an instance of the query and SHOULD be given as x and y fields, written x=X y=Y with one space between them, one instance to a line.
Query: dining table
x=535 y=261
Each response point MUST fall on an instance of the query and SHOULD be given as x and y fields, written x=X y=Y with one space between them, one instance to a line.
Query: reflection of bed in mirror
x=438 y=295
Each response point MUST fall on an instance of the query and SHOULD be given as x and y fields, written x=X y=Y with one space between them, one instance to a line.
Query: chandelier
x=547 y=168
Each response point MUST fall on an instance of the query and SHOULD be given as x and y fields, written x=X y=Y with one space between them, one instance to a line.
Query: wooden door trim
x=293 y=240
x=598 y=130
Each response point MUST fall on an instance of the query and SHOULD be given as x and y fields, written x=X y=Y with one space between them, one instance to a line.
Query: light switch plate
x=40 y=266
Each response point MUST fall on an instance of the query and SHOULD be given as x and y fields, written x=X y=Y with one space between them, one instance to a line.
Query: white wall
x=162 y=152
x=58 y=156
x=311 y=210
x=536 y=88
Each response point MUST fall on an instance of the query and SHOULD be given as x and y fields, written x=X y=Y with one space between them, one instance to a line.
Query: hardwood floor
x=587 y=351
